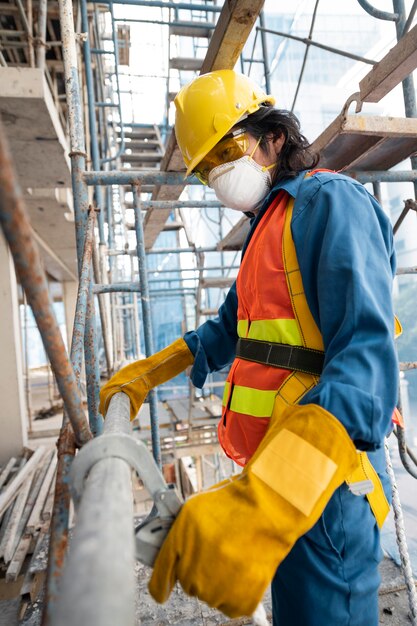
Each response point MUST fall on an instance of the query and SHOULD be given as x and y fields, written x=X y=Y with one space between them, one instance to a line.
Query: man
x=308 y=329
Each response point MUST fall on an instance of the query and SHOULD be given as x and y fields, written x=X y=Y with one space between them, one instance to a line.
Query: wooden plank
x=19 y=556
x=366 y=142
x=400 y=61
x=32 y=585
x=233 y=28
x=6 y=547
x=33 y=494
x=6 y=471
x=12 y=489
x=49 y=503
x=34 y=520
x=234 y=25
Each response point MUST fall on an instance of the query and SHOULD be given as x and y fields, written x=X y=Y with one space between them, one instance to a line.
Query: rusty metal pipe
x=66 y=444
x=18 y=233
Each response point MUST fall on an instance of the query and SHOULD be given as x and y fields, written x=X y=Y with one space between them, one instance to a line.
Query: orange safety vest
x=271 y=307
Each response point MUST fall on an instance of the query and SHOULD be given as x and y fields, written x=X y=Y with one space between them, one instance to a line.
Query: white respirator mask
x=242 y=184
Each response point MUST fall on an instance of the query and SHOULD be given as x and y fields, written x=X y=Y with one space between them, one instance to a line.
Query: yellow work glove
x=138 y=378
x=227 y=542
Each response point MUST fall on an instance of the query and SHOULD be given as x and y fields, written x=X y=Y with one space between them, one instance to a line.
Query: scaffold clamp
x=136 y=454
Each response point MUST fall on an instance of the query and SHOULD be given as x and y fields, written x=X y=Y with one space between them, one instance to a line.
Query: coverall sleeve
x=347 y=262
x=214 y=342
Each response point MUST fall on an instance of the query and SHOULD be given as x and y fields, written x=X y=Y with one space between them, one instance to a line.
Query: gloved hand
x=227 y=542
x=138 y=378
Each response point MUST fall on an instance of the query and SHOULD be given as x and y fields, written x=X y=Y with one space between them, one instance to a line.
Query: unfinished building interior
x=109 y=254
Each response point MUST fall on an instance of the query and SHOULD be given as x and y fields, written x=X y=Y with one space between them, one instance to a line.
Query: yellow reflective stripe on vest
x=276 y=331
x=376 y=498
x=254 y=402
x=310 y=334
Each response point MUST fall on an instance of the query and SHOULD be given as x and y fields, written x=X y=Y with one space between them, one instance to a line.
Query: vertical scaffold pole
x=147 y=318
x=66 y=445
x=409 y=93
x=80 y=191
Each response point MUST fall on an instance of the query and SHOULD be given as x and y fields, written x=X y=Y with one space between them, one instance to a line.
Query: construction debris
x=26 y=498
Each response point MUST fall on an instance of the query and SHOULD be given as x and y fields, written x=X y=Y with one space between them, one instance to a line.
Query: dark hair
x=296 y=154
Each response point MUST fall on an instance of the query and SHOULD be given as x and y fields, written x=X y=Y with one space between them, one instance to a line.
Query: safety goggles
x=231 y=148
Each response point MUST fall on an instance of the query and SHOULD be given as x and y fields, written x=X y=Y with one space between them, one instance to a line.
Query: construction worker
x=308 y=329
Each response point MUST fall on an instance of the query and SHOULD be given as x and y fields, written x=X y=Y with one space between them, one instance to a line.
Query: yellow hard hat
x=208 y=107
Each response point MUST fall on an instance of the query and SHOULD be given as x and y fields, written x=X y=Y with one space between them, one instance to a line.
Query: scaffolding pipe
x=101 y=591
x=158 y=4
x=103 y=313
x=391 y=176
x=121 y=148
x=181 y=204
x=409 y=93
x=165 y=251
x=267 y=72
x=41 y=41
x=147 y=319
x=409 y=19
x=80 y=191
x=95 y=158
x=18 y=233
x=379 y=15
x=307 y=50
x=133 y=177
x=203 y=25
x=66 y=445
x=316 y=44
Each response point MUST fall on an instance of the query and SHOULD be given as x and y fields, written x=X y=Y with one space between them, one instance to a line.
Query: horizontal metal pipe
x=18 y=233
x=12 y=33
x=98 y=584
x=164 y=5
x=171 y=292
x=181 y=270
x=397 y=176
x=135 y=288
x=164 y=251
x=177 y=178
x=316 y=44
x=203 y=25
x=116 y=287
x=132 y=178
x=406 y=270
x=180 y=204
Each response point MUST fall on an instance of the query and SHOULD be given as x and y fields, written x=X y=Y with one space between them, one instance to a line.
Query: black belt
x=281 y=355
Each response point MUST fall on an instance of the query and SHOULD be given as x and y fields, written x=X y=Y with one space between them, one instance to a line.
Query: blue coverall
x=345 y=251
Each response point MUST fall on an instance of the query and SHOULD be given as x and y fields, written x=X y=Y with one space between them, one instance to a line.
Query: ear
x=278 y=143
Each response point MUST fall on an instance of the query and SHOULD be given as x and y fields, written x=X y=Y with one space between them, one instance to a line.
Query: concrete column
x=13 y=413
x=70 y=289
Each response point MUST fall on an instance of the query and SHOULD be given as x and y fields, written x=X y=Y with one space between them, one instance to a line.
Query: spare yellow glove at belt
x=138 y=378
x=227 y=542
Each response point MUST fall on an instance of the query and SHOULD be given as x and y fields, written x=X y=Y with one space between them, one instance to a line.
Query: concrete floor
x=180 y=610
